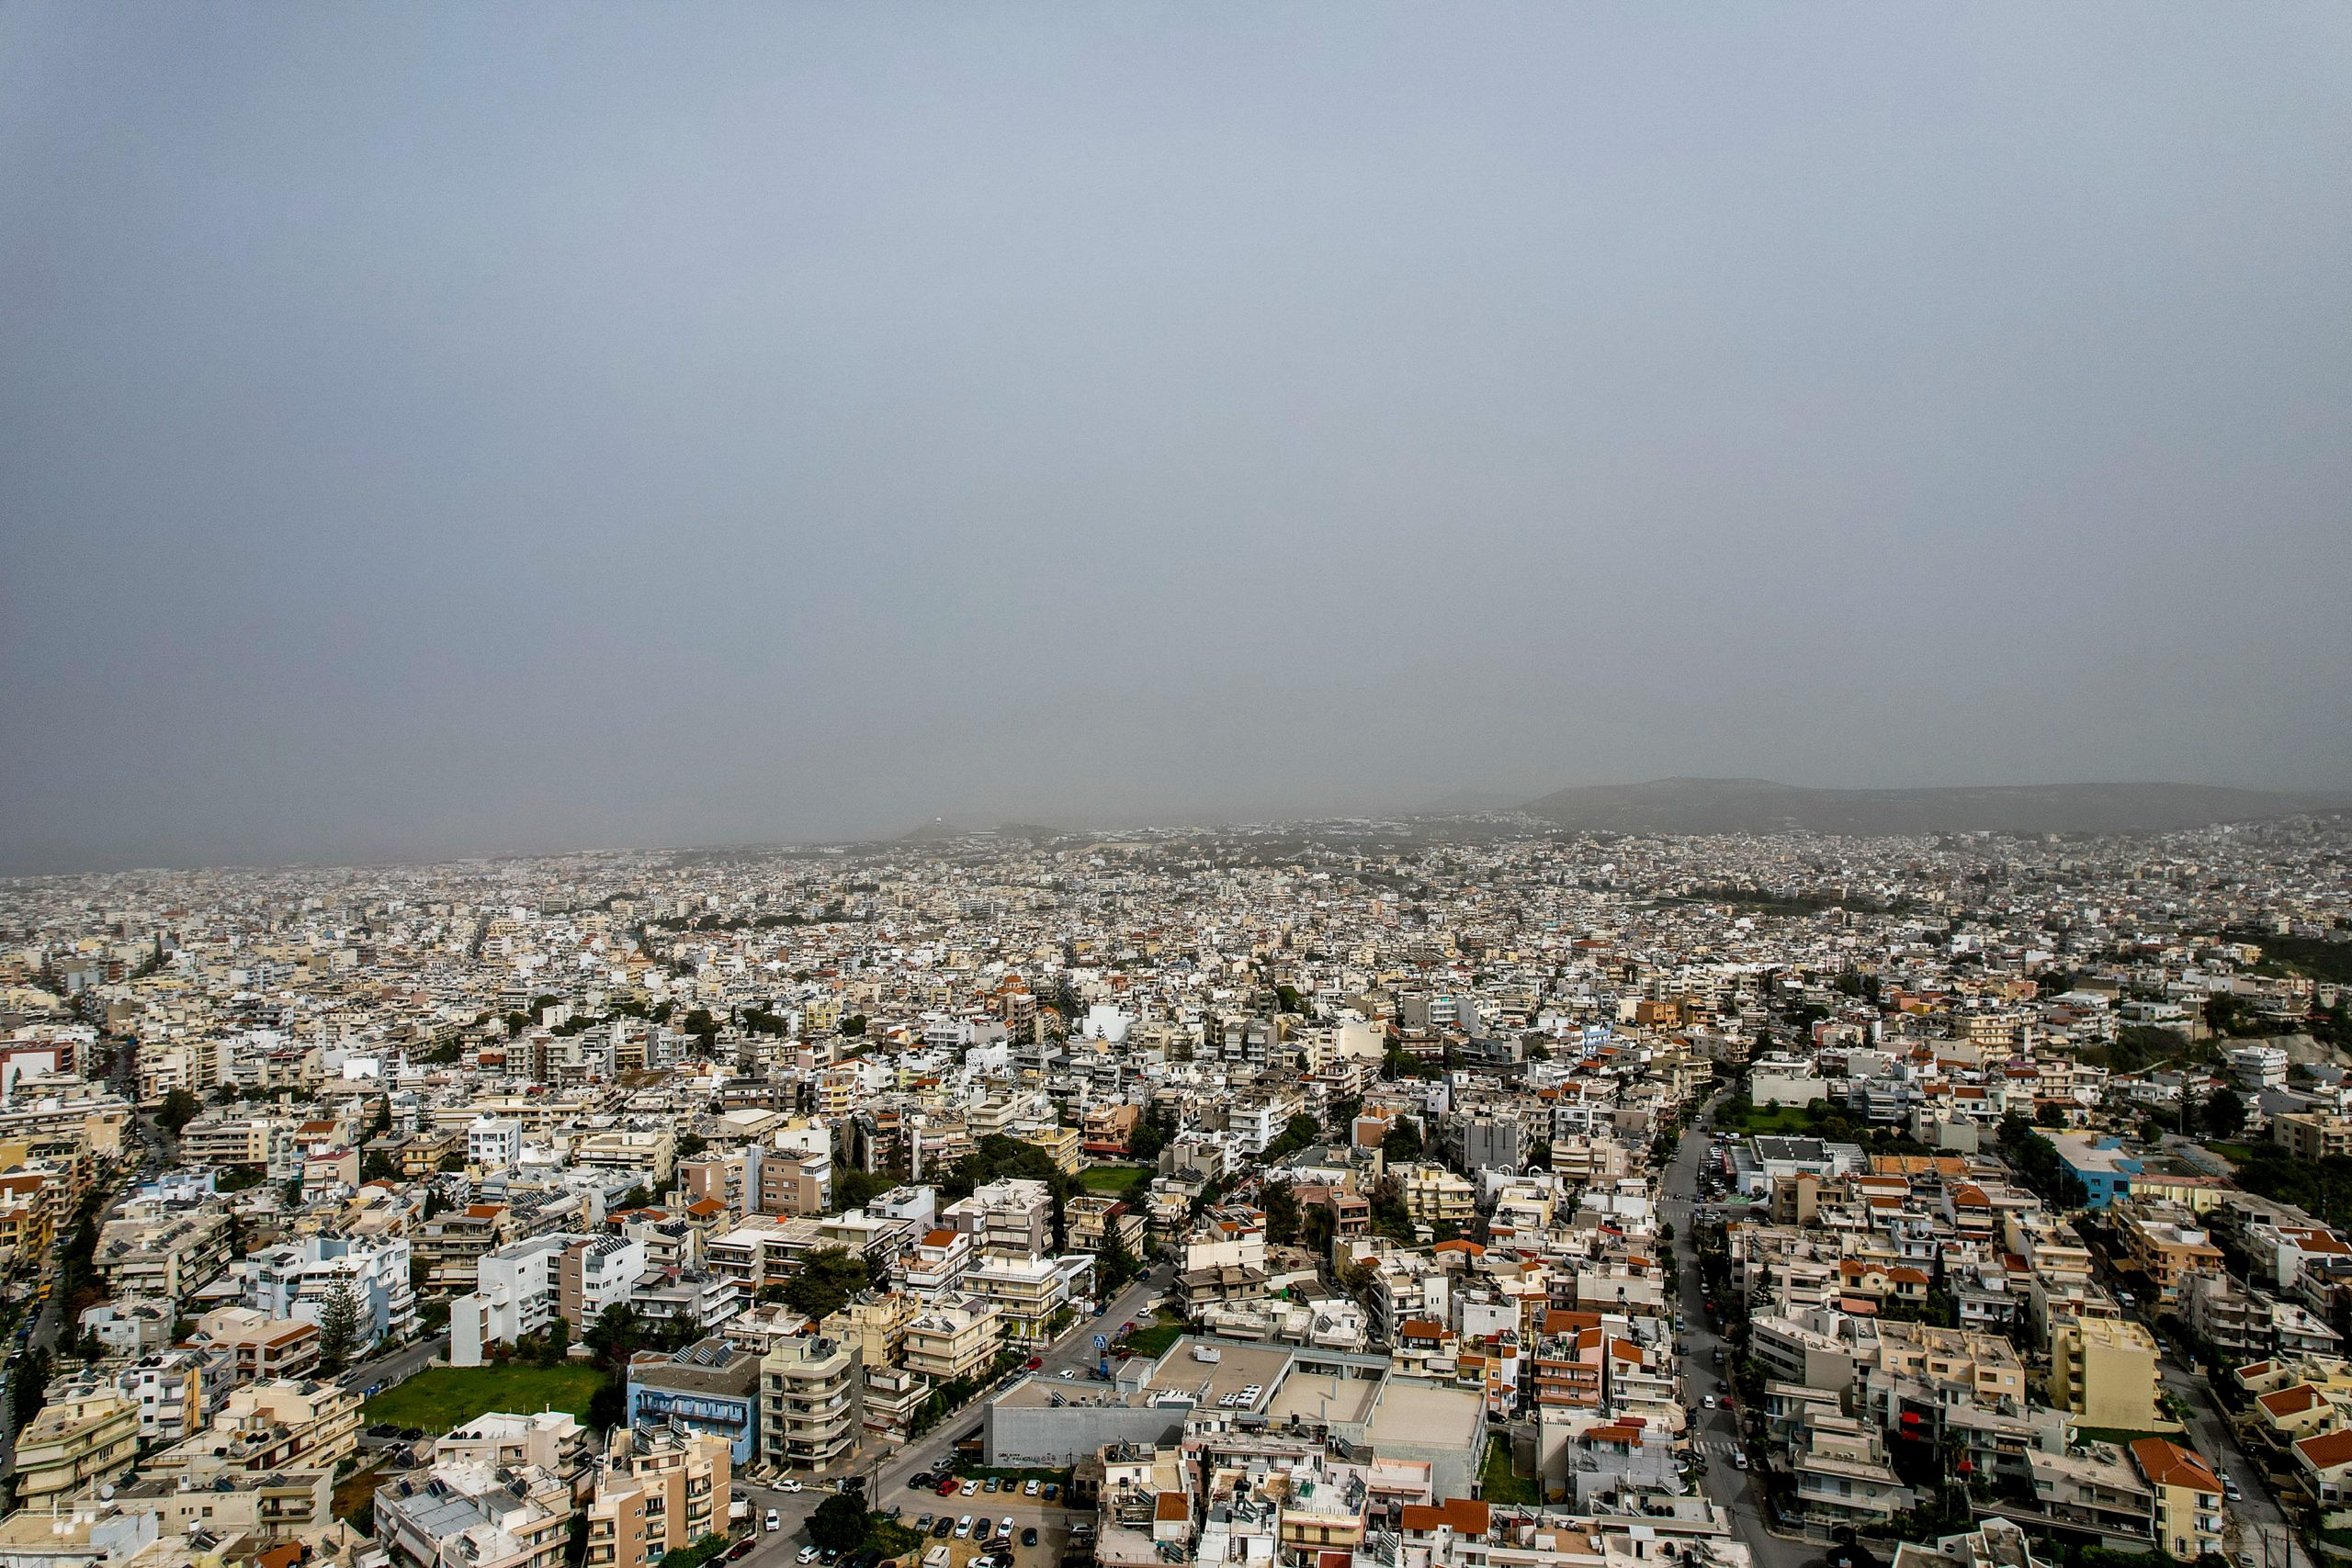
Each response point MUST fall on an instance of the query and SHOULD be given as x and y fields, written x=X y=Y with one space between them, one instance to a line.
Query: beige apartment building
x=85 y=1433
x=810 y=1415
x=946 y=1342
x=657 y=1493
x=2104 y=1370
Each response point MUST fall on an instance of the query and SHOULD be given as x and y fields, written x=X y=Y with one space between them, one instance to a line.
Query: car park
x=1053 y=1490
x=1029 y=1536
x=1029 y=1489
x=940 y=1527
x=922 y=1525
x=970 y=1486
x=964 y=1528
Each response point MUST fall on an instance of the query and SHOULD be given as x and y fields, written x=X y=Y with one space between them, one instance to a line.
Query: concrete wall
x=1027 y=1435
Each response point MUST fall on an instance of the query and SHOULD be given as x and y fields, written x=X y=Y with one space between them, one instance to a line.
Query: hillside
x=1760 y=805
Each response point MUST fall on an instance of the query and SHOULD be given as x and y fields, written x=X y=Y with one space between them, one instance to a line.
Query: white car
x=1069 y=1371
x=775 y=1520
x=964 y=1528
x=1709 y=1402
x=806 y=1555
x=1029 y=1488
x=788 y=1485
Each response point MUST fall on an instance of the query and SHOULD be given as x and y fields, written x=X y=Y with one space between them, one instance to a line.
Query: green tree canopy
x=829 y=1277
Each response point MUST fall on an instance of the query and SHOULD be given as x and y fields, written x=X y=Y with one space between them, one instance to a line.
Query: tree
x=30 y=1390
x=829 y=1277
x=178 y=1109
x=839 y=1525
x=1114 y=1265
x=1281 y=1212
x=2224 y=1115
x=382 y=1124
x=2049 y=1115
x=339 y=1323
x=1296 y=1135
x=1404 y=1140
x=854 y=1025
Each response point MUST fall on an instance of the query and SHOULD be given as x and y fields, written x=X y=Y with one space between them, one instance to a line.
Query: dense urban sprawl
x=1431 y=1194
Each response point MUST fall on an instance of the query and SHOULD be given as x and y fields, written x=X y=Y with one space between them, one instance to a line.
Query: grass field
x=441 y=1397
x=1111 y=1178
x=2236 y=1154
x=1498 y=1482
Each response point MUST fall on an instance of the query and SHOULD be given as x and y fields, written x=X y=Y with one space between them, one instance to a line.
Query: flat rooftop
x=1319 y=1396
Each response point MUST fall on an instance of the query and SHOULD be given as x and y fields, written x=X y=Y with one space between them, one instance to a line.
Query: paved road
x=2253 y=1523
x=887 y=1472
x=391 y=1368
x=1740 y=1493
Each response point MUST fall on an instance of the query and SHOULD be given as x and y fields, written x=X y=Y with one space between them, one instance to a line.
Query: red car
x=947 y=1487
x=1035 y=1361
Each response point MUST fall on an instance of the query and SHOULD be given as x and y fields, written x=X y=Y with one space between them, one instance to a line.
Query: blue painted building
x=2100 y=1164
x=710 y=1386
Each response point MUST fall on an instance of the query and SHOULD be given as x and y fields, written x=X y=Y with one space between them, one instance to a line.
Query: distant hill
x=1760 y=805
x=937 y=830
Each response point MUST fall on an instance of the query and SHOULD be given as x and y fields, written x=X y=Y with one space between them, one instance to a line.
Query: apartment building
x=708 y=1387
x=298 y=1281
x=811 y=1401
x=951 y=1339
x=479 y=1515
x=87 y=1432
x=270 y=1426
x=528 y=1284
x=2104 y=1370
x=170 y=1388
x=2188 y=1498
x=1435 y=1196
x=795 y=1182
x=167 y=1255
x=657 y=1492
x=259 y=1347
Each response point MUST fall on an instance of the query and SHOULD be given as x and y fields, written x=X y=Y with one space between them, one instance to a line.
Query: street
x=1717 y=1432
x=887 y=1470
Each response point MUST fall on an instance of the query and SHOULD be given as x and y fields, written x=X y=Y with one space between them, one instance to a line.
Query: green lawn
x=1112 y=1178
x=441 y=1397
x=1155 y=1340
x=2236 y=1154
x=1498 y=1482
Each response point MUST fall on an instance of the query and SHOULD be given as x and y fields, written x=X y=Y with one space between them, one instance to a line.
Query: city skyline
x=441 y=430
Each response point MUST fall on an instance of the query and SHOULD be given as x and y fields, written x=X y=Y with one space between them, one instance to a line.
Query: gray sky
x=446 y=429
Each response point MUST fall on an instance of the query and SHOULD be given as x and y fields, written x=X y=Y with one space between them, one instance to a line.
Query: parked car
x=1053 y=1490
x=947 y=1488
x=989 y=1485
x=775 y=1520
x=970 y=1486
x=806 y=1555
x=920 y=1480
x=742 y=1548
x=1069 y=1371
x=1030 y=1488
x=1739 y=1458
x=964 y=1528
x=1037 y=1361
x=1029 y=1536
x=789 y=1484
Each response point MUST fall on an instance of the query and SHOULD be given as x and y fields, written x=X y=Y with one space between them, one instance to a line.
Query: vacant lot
x=441 y=1397
x=1111 y=1178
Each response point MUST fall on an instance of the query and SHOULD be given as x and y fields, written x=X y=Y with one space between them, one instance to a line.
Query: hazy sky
x=445 y=429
